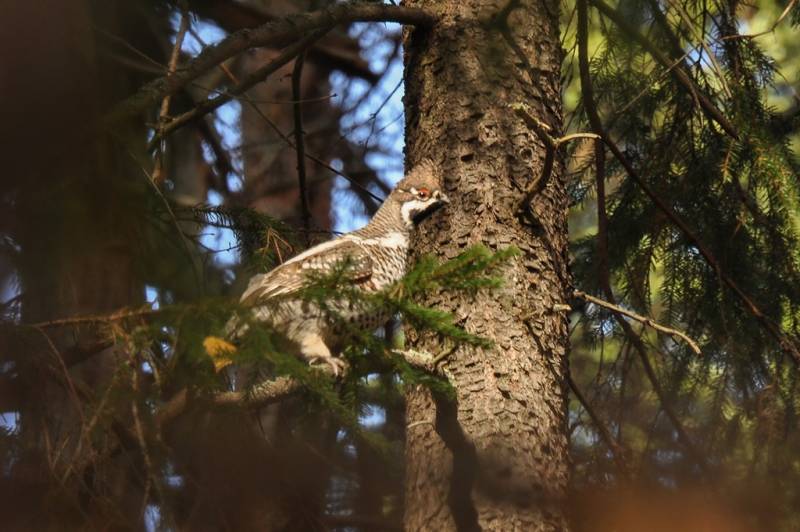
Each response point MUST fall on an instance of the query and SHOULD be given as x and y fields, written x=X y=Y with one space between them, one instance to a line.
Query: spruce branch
x=470 y=271
x=679 y=73
x=604 y=281
x=786 y=343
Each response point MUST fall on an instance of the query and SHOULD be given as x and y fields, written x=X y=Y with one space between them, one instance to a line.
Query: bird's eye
x=423 y=193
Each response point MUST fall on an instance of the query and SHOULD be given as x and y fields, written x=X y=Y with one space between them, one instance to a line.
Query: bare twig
x=152 y=64
x=100 y=407
x=551 y=145
x=255 y=77
x=119 y=315
x=311 y=157
x=617 y=451
x=187 y=247
x=278 y=33
x=642 y=319
x=152 y=477
x=374 y=117
x=782 y=16
x=299 y=143
x=222 y=161
x=575 y=136
x=163 y=115
x=70 y=384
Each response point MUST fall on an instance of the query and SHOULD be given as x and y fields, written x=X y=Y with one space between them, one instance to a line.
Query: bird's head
x=420 y=192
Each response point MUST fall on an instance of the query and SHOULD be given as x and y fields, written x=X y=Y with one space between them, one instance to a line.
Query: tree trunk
x=496 y=458
x=71 y=196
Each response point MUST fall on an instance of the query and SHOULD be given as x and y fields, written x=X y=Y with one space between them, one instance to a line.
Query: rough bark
x=496 y=458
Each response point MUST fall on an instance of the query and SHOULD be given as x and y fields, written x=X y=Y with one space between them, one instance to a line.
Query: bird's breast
x=389 y=264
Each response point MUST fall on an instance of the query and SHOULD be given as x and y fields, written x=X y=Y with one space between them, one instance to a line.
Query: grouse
x=375 y=257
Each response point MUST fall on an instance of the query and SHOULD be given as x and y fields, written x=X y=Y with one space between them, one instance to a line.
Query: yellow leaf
x=219 y=350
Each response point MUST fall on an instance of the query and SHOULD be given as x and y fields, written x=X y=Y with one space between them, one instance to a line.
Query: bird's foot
x=336 y=366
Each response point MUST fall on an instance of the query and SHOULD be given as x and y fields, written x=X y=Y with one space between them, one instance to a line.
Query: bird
x=376 y=256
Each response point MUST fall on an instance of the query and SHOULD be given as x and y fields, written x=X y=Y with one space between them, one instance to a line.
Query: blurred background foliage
x=724 y=421
x=112 y=421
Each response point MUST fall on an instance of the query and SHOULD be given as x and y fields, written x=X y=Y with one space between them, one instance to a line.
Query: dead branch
x=206 y=106
x=119 y=315
x=300 y=145
x=285 y=138
x=260 y=395
x=551 y=145
x=337 y=50
x=617 y=451
x=771 y=29
x=641 y=319
x=358 y=187
x=163 y=115
x=278 y=33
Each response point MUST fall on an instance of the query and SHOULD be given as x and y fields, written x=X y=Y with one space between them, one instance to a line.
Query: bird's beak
x=442 y=197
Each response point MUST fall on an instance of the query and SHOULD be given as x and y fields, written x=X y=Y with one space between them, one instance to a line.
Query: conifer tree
x=139 y=128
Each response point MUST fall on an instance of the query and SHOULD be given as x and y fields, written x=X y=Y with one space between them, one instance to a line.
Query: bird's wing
x=292 y=275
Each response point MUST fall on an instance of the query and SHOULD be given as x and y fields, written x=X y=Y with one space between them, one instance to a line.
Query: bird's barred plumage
x=375 y=256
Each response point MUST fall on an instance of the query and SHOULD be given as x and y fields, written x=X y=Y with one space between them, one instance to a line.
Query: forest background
x=128 y=235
